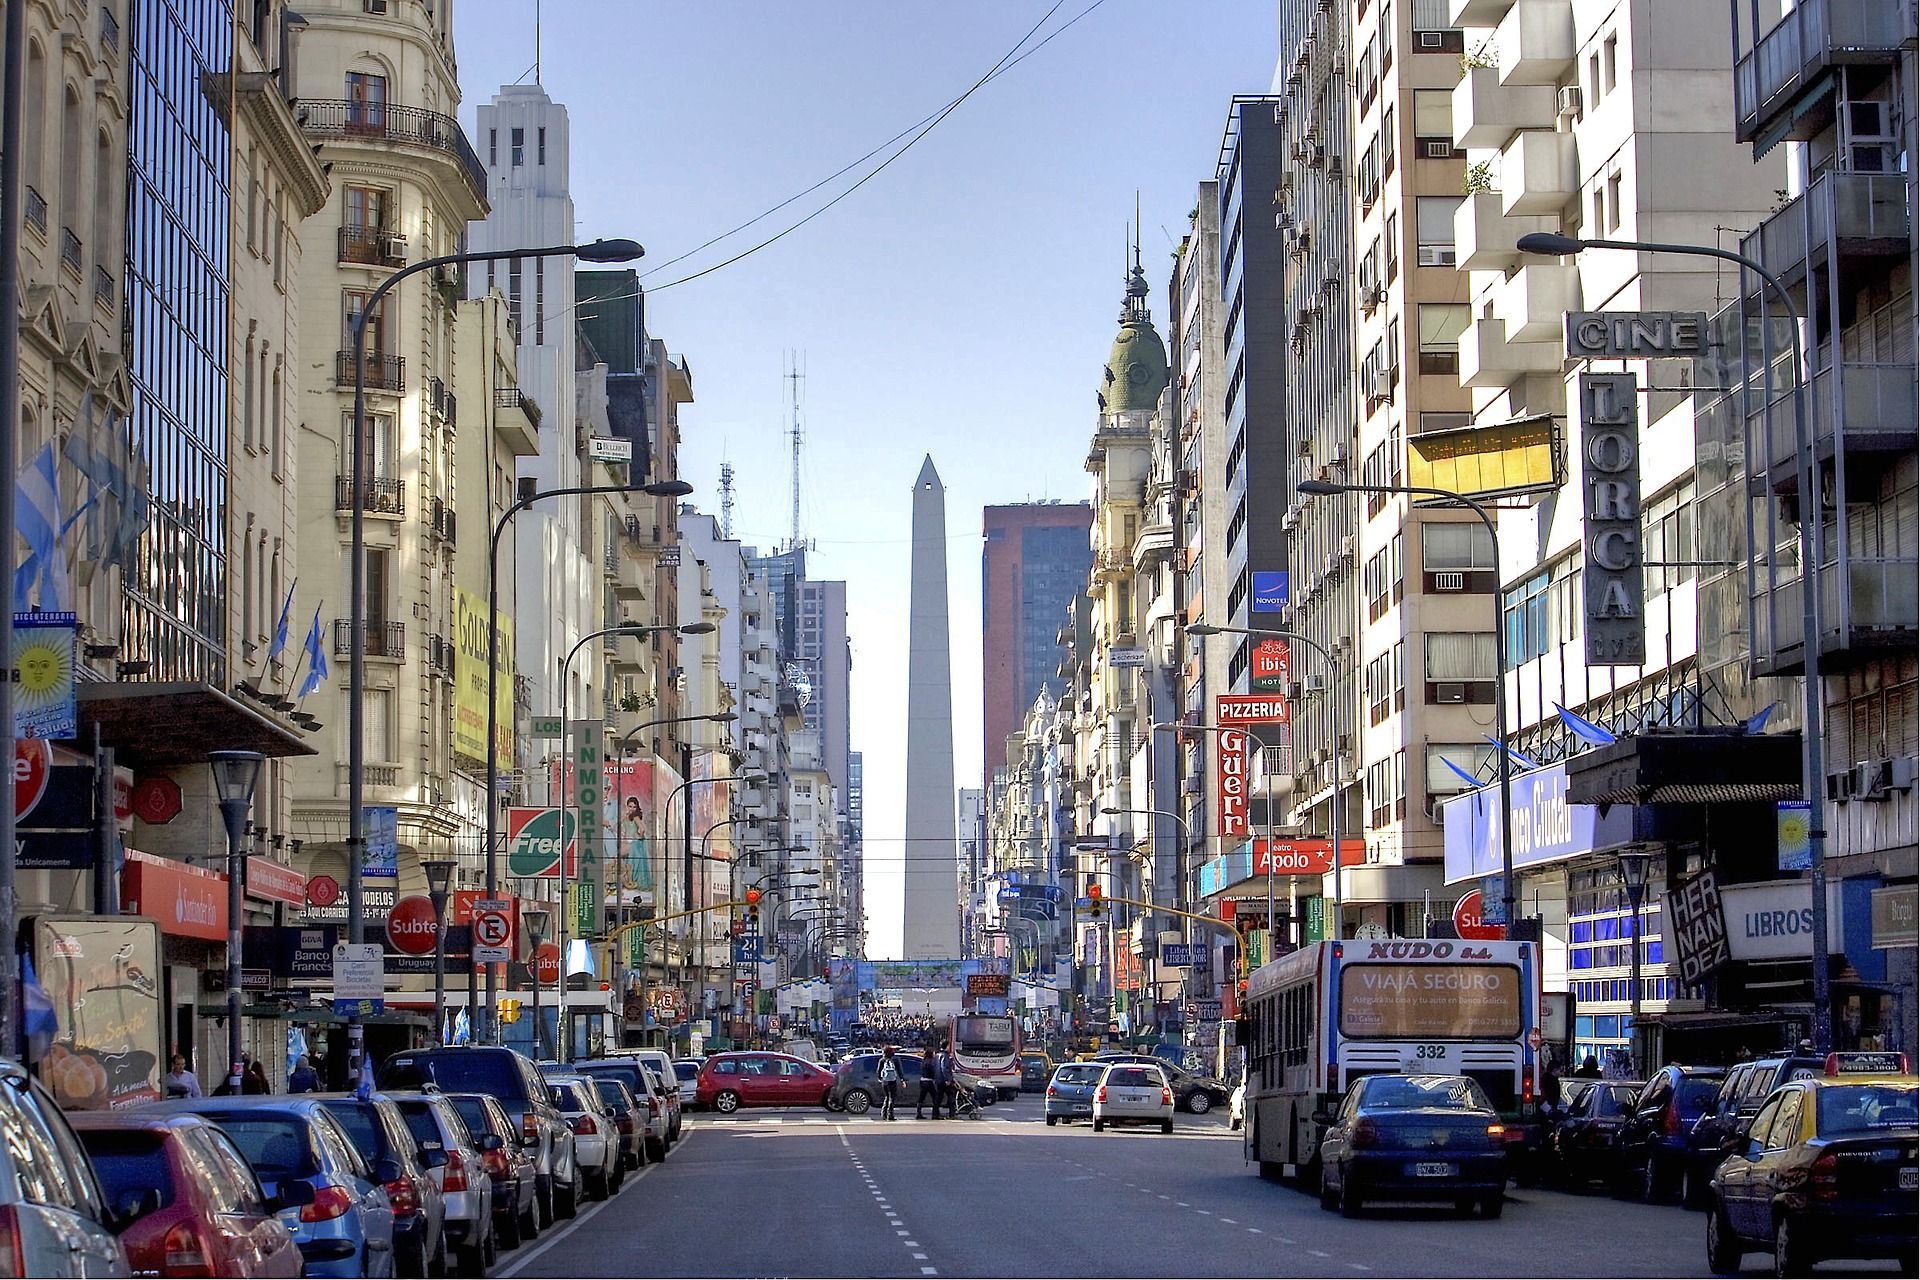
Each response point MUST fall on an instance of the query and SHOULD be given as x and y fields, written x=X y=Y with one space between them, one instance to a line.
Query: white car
x=687 y=1070
x=462 y=1179
x=1133 y=1093
x=1237 y=1107
x=596 y=1141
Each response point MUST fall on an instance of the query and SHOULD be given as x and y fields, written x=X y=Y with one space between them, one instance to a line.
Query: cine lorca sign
x=1615 y=587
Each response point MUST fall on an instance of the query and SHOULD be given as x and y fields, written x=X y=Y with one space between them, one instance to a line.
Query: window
x=1441 y=324
x=1593 y=76
x=1610 y=60
x=380 y=442
x=366 y=102
x=513 y=295
x=540 y=144
x=493 y=147
x=1613 y=203
x=1525 y=617
x=1389 y=139
x=519 y=148
x=1455 y=547
x=1459 y=666
x=539 y=302
x=1433 y=114
x=1667 y=538
x=352 y=302
x=1433 y=218
x=1475 y=759
x=1392 y=241
x=246 y=399
x=366 y=208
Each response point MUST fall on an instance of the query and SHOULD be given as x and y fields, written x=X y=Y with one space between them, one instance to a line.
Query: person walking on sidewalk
x=945 y=1071
x=889 y=1077
x=929 y=1085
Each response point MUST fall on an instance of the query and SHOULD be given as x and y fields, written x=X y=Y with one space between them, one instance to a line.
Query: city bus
x=1323 y=1017
x=987 y=1047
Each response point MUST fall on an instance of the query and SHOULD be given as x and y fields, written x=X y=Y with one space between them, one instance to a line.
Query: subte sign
x=1467 y=922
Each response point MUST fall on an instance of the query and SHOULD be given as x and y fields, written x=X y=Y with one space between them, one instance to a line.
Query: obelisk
x=930 y=923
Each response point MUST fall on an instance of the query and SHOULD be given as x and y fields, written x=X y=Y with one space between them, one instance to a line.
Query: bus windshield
x=982 y=1033
x=1429 y=1001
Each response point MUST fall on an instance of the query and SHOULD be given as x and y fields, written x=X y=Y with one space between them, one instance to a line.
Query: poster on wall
x=44 y=705
x=470 y=680
x=102 y=974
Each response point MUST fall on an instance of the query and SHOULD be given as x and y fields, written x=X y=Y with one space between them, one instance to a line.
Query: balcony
x=384 y=373
x=1487 y=359
x=36 y=214
x=1844 y=215
x=385 y=495
x=382 y=122
x=1533 y=302
x=1872 y=605
x=1484 y=236
x=372 y=247
x=1539 y=172
x=70 y=251
x=1814 y=36
x=384 y=639
x=1486 y=113
x=441 y=520
x=1477 y=13
x=1871 y=408
x=1536 y=43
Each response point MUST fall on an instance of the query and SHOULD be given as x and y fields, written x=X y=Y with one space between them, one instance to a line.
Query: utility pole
x=794 y=376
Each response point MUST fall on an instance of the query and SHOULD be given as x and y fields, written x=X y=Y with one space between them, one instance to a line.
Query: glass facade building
x=178 y=204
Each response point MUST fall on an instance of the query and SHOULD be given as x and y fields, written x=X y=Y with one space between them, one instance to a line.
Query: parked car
x=419 y=1209
x=730 y=1081
x=626 y=1067
x=346 y=1230
x=1716 y=1134
x=856 y=1082
x=510 y=1166
x=629 y=1120
x=1398 y=1137
x=1237 y=1108
x=203 y=1213
x=1653 y=1144
x=1036 y=1071
x=1586 y=1140
x=596 y=1141
x=1133 y=1093
x=436 y=1125
x=1070 y=1092
x=55 y=1217
x=512 y=1080
x=1192 y=1093
x=686 y=1075
x=1825 y=1169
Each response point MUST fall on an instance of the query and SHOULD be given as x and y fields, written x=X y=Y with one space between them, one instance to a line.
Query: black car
x=1413 y=1138
x=1653 y=1146
x=1716 y=1134
x=1586 y=1140
x=856 y=1082
x=1826 y=1169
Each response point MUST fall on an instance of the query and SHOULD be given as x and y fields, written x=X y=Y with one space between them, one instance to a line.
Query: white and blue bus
x=1326 y=1015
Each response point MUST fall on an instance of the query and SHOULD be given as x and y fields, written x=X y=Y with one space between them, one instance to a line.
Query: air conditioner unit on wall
x=1569 y=101
x=1450 y=693
x=1450 y=581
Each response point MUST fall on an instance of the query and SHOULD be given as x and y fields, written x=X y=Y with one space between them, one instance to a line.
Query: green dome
x=1136 y=371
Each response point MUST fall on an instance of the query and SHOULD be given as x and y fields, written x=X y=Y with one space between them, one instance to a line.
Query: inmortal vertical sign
x=1610 y=514
x=589 y=789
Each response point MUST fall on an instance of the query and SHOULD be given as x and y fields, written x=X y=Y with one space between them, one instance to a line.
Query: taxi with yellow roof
x=1829 y=1167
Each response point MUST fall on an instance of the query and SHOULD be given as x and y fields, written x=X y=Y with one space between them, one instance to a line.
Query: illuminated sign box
x=1496 y=460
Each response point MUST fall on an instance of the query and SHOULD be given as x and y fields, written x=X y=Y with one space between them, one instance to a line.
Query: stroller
x=970 y=1096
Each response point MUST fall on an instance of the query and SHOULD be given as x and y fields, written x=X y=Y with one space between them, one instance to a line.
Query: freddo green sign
x=534 y=843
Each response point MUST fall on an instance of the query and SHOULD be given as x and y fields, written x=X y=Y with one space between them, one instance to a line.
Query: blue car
x=1070 y=1092
x=347 y=1230
x=1433 y=1138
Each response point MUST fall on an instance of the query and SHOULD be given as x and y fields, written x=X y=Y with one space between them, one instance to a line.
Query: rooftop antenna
x=795 y=375
x=726 y=501
x=536 y=41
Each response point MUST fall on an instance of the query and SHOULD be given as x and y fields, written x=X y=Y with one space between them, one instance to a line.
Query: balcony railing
x=385 y=495
x=70 y=250
x=36 y=211
x=384 y=639
x=509 y=398
x=385 y=122
x=1874 y=603
x=1847 y=213
x=1813 y=35
x=384 y=373
x=372 y=246
x=1872 y=406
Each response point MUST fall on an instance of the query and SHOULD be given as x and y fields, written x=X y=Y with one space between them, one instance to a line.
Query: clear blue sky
x=960 y=304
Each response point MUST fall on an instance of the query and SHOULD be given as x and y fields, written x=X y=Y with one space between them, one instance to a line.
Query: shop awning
x=161 y=726
x=1395 y=883
x=1716 y=1019
x=1687 y=768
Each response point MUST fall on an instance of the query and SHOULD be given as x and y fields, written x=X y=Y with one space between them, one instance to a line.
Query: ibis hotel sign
x=1615 y=587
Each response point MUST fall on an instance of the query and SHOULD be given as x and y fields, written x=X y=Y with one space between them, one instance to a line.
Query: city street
x=811 y=1194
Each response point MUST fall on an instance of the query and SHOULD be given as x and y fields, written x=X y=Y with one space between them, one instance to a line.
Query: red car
x=208 y=1215
x=730 y=1081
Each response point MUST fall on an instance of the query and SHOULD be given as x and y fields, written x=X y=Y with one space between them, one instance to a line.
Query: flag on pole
x=279 y=645
x=462 y=1027
x=37 y=517
x=1583 y=728
x=1759 y=722
x=316 y=657
x=1466 y=777
x=1515 y=756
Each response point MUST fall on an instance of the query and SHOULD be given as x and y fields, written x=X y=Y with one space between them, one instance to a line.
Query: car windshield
x=276 y=1146
x=362 y=1126
x=611 y=1092
x=1697 y=1093
x=421 y=1122
x=1868 y=1108
x=474 y=1112
x=459 y=1071
x=1444 y=1093
x=1077 y=1073
x=1615 y=1099
x=1134 y=1077
x=129 y=1162
x=567 y=1097
x=686 y=1070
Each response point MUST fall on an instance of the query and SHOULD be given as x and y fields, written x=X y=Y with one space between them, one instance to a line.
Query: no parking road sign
x=492 y=931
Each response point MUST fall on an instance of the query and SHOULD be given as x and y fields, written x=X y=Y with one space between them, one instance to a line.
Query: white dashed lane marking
x=882 y=1203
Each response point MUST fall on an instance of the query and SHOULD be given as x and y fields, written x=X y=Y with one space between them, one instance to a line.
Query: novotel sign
x=1635 y=335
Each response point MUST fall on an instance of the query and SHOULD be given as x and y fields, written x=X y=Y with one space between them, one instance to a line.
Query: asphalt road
x=807 y=1193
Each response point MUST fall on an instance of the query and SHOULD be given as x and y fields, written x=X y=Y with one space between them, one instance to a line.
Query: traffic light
x=1096 y=906
x=509 y=1010
x=753 y=897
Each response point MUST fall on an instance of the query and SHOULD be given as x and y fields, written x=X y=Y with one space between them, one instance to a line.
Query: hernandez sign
x=1698 y=927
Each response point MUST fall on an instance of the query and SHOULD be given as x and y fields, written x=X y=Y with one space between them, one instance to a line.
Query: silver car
x=596 y=1142
x=464 y=1184
x=1133 y=1093
x=62 y=1224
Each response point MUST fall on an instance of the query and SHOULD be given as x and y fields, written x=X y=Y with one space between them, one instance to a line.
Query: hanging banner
x=1231 y=760
x=470 y=680
x=1697 y=928
x=587 y=798
x=1615 y=589
x=43 y=705
x=383 y=842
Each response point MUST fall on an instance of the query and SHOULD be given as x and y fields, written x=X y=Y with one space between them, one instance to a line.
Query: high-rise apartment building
x=812 y=619
x=1034 y=560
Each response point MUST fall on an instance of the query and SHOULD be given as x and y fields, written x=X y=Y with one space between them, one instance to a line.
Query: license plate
x=1910 y=1179
x=1435 y=1169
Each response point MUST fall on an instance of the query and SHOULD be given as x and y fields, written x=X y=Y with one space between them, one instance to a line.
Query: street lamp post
x=1635 y=862
x=534 y=921
x=1813 y=764
x=598 y=251
x=234 y=775
x=1504 y=761
x=439 y=873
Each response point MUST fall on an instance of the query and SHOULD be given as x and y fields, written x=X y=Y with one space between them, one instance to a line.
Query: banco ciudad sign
x=1614 y=579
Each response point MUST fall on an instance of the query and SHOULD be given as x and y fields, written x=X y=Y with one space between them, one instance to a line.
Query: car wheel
x=543 y=1202
x=1098 y=1124
x=1492 y=1205
x=492 y=1248
x=1693 y=1188
x=1051 y=1120
x=1166 y=1126
x=473 y=1259
x=509 y=1230
x=857 y=1102
x=1350 y=1203
x=1329 y=1198
x=599 y=1186
x=1199 y=1103
x=1724 y=1250
x=566 y=1200
x=1653 y=1181
x=1790 y=1255
x=726 y=1102
x=835 y=1104
x=656 y=1150
x=1235 y=1124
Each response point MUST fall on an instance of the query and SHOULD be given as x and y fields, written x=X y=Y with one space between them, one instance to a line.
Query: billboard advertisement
x=535 y=841
x=102 y=974
x=470 y=679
